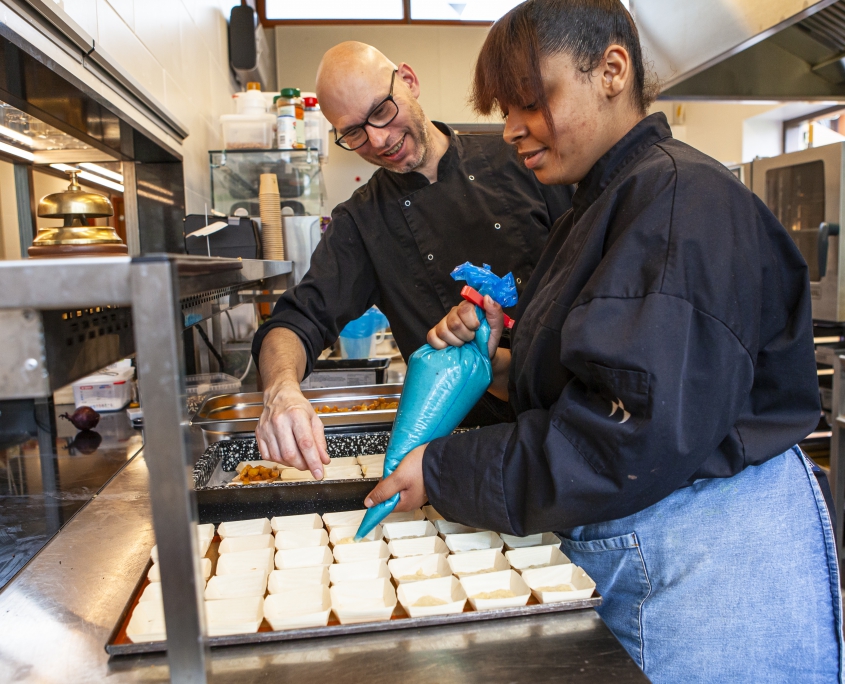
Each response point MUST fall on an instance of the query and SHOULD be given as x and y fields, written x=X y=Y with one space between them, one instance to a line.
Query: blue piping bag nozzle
x=441 y=387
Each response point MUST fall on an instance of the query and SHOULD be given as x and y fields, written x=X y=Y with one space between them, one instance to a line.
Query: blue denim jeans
x=728 y=580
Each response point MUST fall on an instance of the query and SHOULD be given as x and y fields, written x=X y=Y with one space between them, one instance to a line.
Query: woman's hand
x=407 y=480
x=460 y=324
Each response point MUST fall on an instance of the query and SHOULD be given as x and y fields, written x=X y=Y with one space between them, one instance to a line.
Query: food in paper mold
x=409 y=530
x=343 y=518
x=418 y=568
x=259 y=464
x=147 y=622
x=473 y=541
x=251 y=543
x=559 y=583
x=291 y=578
x=370 y=459
x=244 y=528
x=444 y=596
x=477 y=562
x=234 y=616
x=359 y=571
x=284 y=523
x=154 y=575
x=345 y=534
x=431 y=514
x=404 y=516
x=245 y=561
x=419 y=546
x=445 y=527
x=257 y=475
x=330 y=472
x=535 y=557
x=151 y=593
x=374 y=470
x=505 y=589
x=253 y=583
x=307 y=606
x=363 y=550
x=365 y=601
x=300 y=539
x=303 y=558
x=541 y=539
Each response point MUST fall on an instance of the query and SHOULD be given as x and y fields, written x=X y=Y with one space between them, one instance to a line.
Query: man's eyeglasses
x=381 y=115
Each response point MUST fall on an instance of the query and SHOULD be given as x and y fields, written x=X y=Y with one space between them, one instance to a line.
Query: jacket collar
x=414 y=180
x=646 y=133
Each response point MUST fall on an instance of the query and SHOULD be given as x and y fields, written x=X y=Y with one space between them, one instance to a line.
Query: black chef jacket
x=665 y=336
x=397 y=239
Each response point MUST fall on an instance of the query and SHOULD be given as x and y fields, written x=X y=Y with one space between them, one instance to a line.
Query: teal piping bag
x=441 y=387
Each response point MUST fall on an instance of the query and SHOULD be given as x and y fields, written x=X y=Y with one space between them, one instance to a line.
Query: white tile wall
x=176 y=49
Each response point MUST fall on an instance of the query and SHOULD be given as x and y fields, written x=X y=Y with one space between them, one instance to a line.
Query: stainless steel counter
x=55 y=618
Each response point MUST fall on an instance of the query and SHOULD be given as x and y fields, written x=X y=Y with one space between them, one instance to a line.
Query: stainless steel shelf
x=66 y=318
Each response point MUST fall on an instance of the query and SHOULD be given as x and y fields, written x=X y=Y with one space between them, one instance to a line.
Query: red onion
x=84 y=418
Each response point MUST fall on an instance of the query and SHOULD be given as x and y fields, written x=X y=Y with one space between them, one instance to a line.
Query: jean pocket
x=616 y=564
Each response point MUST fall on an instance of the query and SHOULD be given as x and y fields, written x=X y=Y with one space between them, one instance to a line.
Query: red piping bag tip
x=474 y=296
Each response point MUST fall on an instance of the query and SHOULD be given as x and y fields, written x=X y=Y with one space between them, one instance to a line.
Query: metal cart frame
x=61 y=319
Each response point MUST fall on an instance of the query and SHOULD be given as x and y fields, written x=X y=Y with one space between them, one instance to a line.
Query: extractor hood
x=746 y=49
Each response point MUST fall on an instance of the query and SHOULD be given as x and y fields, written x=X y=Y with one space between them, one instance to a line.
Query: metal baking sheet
x=219 y=502
x=119 y=644
x=232 y=414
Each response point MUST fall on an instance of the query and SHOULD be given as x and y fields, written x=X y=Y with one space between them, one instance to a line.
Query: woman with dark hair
x=661 y=372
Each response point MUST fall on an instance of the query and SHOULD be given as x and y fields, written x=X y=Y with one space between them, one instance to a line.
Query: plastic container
x=248 y=131
x=108 y=390
x=251 y=100
x=211 y=383
x=359 y=338
x=313 y=125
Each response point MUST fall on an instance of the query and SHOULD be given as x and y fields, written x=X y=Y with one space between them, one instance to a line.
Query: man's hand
x=407 y=480
x=459 y=325
x=290 y=432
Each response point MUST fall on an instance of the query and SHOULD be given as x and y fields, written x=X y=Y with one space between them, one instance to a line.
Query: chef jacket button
x=407 y=203
x=519 y=281
x=472 y=177
x=431 y=257
x=498 y=225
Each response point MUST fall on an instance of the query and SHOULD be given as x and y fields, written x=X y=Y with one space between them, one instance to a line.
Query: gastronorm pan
x=227 y=415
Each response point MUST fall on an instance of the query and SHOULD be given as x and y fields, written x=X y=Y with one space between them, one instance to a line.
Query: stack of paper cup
x=269 y=204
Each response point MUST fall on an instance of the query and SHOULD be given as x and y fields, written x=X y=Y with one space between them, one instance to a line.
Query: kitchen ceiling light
x=17 y=137
x=101 y=181
x=101 y=170
x=17 y=152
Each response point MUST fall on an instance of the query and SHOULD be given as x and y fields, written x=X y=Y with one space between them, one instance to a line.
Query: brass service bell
x=76 y=237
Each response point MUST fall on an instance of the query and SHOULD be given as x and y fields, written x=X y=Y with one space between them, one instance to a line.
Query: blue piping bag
x=441 y=387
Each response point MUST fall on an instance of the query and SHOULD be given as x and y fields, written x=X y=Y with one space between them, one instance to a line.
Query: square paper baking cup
x=341 y=532
x=300 y=539
x=303 y=558
x=294 y=578
x=446 y=589
x=409 y=530
x=535 y=557
x=363 y=601
x=359 y=551
x=541 y=539
x=476 y=562
x=559 y=583
x=287 y=523
x=307 y=606
x=419 y=568
x=473 y=541
x=421 y=546
x=359 y=571
x=507 y=580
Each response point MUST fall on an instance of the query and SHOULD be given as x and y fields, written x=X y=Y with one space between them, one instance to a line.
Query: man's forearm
x=282 y=360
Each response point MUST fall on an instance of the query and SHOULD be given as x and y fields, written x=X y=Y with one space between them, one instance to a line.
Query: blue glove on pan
x=441 y=386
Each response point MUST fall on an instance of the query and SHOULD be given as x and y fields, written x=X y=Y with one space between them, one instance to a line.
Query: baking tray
x=119 y=644
x=227 y=415
x=218 y=502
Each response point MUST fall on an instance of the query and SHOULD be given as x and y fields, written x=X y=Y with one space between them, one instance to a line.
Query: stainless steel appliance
x=804 y=190
x=743 y=173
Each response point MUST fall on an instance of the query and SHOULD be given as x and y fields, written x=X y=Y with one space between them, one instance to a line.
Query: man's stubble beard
x=420 y=134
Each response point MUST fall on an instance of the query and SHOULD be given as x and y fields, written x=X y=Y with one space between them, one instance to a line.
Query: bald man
x=438 y=200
